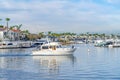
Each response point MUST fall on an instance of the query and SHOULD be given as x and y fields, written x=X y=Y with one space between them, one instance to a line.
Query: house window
x=11 y=33
x=44 y=47
x=5 y=33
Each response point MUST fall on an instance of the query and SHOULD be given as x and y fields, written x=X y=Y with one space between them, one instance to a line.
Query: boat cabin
x=52 y=46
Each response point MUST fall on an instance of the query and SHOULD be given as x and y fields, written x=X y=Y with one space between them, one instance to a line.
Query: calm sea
x=96 y=64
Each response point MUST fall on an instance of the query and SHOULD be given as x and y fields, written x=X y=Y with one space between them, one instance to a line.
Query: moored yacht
x=8 y=45
x=115 y=43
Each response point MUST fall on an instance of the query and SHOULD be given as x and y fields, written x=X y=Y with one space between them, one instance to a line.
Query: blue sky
x=63 y=15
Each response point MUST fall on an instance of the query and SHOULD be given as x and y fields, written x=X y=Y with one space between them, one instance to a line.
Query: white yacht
x=115 y=43
x=8 y=45
x=53 y=48
x=15 y=44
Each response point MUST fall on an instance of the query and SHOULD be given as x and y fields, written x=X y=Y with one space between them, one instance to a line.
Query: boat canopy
x=52 y=44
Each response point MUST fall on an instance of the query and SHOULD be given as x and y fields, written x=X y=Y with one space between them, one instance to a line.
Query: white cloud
x=113 y=1
x=60 y=15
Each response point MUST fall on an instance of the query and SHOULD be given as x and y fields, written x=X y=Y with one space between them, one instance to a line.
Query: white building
x=7 y=34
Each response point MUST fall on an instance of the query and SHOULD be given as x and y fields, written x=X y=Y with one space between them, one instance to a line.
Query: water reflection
x=12 y=52
x=52 y=64
x=11 y=62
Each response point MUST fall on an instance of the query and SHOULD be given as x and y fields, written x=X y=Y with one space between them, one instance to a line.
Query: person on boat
x=54 y=48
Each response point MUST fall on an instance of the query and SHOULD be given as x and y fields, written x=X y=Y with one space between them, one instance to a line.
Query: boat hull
x=54 y=52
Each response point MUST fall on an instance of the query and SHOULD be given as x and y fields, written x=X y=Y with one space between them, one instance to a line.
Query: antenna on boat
x=48 y=41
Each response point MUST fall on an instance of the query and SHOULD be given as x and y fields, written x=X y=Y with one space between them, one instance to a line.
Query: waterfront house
x=7 y=34
x=3 y=32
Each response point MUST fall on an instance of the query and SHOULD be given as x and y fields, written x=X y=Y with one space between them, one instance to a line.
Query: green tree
x=18 y=26
x=49 y=33
x=41 y=34
x=1 y=24
x=26 y=32
x=0 y=19
x=11 y=27
x=7 y=20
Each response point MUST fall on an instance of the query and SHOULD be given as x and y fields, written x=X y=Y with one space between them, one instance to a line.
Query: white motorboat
x=8 y=45
x=53 y=48
x=15 y=44
x=114 y=43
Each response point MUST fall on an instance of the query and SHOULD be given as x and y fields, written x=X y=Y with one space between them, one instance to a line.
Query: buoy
x=88 y=50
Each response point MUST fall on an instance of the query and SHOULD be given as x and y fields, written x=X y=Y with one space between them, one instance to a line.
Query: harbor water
x=87 y=63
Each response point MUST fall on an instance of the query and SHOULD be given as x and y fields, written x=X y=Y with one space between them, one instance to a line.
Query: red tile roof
x=15 y=30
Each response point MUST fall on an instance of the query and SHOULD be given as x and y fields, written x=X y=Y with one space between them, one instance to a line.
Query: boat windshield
x=10 y=43
x=44 y=47
x=59 y=46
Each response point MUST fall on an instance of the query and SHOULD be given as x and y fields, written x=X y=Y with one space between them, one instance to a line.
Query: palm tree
x=7 y=20
x=49 y=33
x=18 y=26
x=1 y=20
